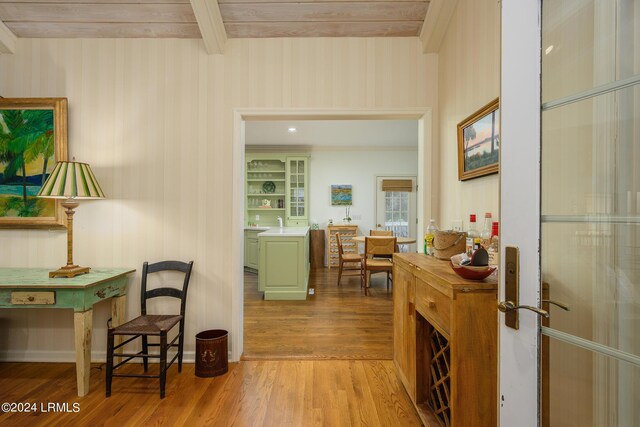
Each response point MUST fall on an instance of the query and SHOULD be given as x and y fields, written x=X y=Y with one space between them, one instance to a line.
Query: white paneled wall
x=154 y=118
x=468 y=78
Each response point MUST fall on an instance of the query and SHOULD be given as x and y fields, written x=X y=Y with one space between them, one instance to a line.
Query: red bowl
x=472 y=273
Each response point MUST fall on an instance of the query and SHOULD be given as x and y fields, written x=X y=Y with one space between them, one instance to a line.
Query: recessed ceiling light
x=292 y=130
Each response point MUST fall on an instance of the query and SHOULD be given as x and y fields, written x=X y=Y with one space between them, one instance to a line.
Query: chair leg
x=145 y=350
x=387 y=282
x=109 y=368
x=180 y=346
x=340 y=271
x=367 y=280
x=163 y=362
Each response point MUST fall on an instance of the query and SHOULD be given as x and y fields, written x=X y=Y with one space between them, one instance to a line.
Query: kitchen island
x=283 y=272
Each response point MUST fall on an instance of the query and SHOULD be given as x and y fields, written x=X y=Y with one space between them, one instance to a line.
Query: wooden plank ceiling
x=241 y=18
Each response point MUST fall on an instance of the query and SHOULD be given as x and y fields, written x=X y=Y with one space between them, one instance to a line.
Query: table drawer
x=433 y=305
x=33 y=297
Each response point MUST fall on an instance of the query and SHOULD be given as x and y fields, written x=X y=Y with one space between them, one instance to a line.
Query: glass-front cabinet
x=297 y=200
x=276 y=186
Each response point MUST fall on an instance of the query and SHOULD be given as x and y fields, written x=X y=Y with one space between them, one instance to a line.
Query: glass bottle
x=485 y=234
x=494 y=248
x=473 y=237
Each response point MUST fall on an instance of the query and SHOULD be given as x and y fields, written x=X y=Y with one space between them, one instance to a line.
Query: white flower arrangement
x=347 y=217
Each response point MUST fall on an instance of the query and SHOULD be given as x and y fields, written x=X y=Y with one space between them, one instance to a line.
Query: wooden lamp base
x=69 y=271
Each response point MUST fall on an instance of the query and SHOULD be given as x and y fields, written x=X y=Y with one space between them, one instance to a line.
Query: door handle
x=562 y=305
x=506 y=306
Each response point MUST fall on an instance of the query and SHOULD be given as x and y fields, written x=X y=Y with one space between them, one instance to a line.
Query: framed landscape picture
x=341 y=195
x=479 y=142
x=33 y=137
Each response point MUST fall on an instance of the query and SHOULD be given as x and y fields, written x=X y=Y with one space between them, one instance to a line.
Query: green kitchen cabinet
x=284 y=263
x=276 y=185
x=251 y=249
x=265 y=184
x=297 y=189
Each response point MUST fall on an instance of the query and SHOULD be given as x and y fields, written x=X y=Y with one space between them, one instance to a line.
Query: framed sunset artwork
x=479 y=142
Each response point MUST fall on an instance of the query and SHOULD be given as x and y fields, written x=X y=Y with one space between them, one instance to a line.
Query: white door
x=396 y=209
x=570 y=201
x=520 y=206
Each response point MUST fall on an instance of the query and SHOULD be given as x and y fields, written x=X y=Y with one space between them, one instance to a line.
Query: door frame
x=519 y=355
x=426 y=205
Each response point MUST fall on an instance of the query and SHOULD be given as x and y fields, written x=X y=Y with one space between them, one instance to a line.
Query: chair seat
x=148 y=325
x=381 y=263
x=352 y=257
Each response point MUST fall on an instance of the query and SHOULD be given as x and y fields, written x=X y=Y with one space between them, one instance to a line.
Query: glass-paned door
x=396 y=211
x=570 y=183
x=590 y=212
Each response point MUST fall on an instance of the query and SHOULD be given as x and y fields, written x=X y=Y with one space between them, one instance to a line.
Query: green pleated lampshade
x=71 y=179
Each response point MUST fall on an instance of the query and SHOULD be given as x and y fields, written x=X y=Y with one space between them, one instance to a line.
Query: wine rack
x=347 y=233
x=439 y=391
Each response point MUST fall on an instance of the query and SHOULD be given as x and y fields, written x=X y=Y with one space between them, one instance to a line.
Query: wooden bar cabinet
x=445 y=342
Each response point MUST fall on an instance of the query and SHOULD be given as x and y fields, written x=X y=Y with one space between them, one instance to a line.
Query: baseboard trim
x=49 y=356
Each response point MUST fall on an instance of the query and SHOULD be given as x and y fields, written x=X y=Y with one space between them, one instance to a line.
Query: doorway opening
x=424 y=209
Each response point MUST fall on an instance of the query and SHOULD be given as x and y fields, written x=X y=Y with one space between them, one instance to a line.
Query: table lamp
x=71 y=181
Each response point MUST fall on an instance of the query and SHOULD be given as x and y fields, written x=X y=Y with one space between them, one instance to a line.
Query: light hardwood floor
x=335 y=323
x=252 y=393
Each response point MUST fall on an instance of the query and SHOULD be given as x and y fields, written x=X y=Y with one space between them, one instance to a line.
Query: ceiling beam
x=435 y=24
x=7 y=39
x=211 y=26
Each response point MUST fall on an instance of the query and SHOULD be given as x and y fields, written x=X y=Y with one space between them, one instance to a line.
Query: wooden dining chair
x=380 y=233
x=376 y=252
x=353 y=261
x=151 y=325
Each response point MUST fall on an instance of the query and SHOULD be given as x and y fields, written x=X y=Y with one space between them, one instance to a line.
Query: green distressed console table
x=32 y=288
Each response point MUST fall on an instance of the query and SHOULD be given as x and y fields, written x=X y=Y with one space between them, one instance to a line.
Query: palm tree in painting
x=26 y=134
x=13 y=122
x=43 y=146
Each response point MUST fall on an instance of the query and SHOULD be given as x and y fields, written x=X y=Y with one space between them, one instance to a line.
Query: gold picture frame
x=479 y=142
x=33 y=137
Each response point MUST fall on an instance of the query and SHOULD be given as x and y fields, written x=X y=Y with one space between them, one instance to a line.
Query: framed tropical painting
x=33 y=137
x=479 y=142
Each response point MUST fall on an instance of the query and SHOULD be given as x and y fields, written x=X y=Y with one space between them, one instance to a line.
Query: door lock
x=511 y=287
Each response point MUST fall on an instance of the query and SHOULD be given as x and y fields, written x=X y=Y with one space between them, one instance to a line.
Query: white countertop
x=257 y=228
x=285 y=232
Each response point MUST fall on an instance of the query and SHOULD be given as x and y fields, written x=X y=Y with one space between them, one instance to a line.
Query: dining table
x=399 y=240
